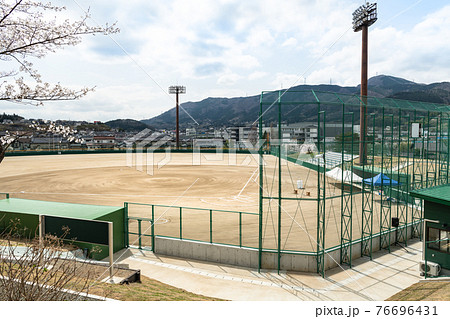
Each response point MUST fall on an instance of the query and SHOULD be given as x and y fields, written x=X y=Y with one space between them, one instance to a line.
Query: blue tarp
x=381 y=180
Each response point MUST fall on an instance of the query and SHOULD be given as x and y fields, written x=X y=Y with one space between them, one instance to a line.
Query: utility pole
x=177 y=89
x=363 y=18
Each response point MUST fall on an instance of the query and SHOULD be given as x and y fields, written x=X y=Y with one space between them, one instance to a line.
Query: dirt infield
x=209 y=181
x=107 y=180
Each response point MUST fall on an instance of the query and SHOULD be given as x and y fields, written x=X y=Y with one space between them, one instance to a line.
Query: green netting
x=326 y=210
x=313 y=97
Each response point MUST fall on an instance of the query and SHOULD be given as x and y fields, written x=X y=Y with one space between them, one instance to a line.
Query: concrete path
x=384 y=276
x=27 y=251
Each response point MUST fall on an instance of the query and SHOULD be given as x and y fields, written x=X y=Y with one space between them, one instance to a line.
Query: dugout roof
x=37 y=207
x=437 y=194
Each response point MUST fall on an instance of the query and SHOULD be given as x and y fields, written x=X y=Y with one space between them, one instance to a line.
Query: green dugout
x=437 y=220
x=85 y=234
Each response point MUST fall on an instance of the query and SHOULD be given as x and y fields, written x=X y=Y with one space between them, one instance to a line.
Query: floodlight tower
x=177 y=89
x=363 y=18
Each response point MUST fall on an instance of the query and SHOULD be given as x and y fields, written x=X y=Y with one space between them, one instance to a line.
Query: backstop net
x=336 y=171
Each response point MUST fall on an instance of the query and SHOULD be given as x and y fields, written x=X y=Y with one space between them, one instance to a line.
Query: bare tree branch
x=33 y=269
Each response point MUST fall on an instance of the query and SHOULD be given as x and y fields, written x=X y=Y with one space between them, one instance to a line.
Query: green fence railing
x=188 y=223
x=139 y=232
x=5 y=194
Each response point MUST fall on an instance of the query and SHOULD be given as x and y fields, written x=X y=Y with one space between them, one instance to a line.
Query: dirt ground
x=105 y=179
x=210 y=181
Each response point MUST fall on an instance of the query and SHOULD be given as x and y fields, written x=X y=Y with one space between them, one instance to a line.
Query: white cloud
x=418 y=53
x=421 y=53
x=257 y=75
x=290 y=42
x=228 y=79
x=284 y=81
x=231 y=47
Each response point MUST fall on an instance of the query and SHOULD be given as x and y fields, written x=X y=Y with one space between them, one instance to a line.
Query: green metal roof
x=37 y=207
x=437 y=194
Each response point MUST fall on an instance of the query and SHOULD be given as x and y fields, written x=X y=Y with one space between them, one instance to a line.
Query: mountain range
x=128 y=125
x=220 y=112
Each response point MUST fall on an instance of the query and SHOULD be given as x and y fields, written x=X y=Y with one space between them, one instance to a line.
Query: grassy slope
x=429 y=291
x=147 y=290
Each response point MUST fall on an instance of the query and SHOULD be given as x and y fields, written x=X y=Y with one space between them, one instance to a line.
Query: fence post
x=240 y=229
x=210 y=226
x=111 y=248
x=125 y=212
x=139 y=233
x=153 y=228
x=181 y=223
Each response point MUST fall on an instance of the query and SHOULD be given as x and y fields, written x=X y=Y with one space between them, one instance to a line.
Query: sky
x=233 y=48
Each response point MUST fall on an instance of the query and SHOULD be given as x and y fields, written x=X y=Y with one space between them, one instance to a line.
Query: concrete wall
x=245 y=257
x=293 y=262
x=248 y=257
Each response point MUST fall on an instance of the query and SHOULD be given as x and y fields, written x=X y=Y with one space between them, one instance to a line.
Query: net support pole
x=280 y=151
x=261 y=186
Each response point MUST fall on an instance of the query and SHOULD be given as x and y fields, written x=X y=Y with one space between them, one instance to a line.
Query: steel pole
x=363 y=117
x=280 y=150
x=153 y=228
x=261 y=185
x=178 y=122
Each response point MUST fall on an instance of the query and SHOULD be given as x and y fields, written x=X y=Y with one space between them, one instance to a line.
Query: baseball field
x=213 y=182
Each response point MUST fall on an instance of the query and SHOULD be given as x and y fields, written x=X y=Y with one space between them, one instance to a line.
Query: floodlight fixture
x=177 y=89
x=365 y=15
